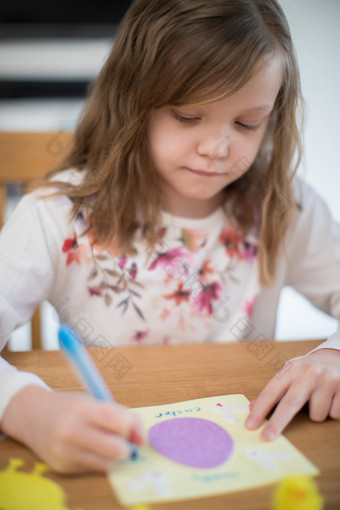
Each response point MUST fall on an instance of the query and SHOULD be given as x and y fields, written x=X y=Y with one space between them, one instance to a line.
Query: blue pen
x=72 y=346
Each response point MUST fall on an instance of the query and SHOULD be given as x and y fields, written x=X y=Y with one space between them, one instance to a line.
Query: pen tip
x=134 y=452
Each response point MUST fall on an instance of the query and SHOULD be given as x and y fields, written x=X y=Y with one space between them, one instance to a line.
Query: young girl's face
x=200 y=150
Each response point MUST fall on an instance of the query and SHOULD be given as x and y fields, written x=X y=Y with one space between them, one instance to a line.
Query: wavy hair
x=185 y=52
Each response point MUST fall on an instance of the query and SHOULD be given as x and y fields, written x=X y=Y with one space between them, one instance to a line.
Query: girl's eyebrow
x=262 y=108
x=265 y=107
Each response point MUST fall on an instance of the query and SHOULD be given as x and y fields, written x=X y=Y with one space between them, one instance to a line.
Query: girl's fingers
x=335 y=407
x=316 y=378
x=295 y=398
x=136 y=433
x=107 y=445
x=78 y=460
x=90 y=461
x=268 y=397
x=251 y=404
x=320 y=404
x=117 y=419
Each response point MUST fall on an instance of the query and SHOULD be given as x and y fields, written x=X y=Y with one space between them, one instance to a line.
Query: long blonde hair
x=185 y=52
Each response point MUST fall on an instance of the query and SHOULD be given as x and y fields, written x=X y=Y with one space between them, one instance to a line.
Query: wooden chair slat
x=24 y=158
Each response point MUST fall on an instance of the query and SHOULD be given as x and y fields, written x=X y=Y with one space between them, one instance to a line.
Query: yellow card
x=201 y=448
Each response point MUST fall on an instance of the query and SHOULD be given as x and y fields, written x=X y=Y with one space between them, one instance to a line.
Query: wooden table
x=151 y=375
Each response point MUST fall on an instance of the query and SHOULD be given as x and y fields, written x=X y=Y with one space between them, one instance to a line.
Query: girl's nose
x=214 y=147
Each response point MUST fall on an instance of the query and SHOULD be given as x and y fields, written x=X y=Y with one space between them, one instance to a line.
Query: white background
x=315 y=30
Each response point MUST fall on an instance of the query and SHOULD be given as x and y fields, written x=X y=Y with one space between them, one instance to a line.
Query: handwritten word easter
x=178 y=412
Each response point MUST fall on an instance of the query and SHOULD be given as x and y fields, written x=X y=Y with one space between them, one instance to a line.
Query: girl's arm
x=72 y=432
x=313 y=251
x=313 y=248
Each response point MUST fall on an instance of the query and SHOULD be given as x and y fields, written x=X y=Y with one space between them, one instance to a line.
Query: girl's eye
x=185 y=120
x=249 y=127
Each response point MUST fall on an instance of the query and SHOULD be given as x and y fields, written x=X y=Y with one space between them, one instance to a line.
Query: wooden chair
x=25 y=157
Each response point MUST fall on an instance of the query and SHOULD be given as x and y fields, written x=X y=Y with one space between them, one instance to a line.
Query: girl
x=175 y=217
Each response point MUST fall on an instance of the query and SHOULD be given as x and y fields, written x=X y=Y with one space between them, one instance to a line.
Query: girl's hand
x=72 y=432
x=314 y=378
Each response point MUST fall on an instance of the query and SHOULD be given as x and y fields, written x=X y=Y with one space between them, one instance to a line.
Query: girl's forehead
x=260 y=91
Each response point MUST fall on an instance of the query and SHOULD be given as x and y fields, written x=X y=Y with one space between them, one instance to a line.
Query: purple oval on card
x=195 y=442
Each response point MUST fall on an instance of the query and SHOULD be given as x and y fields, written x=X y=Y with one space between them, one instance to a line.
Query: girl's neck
x=194 y=209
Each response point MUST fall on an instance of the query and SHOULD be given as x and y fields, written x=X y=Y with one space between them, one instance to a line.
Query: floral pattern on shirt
x=139 y=336
x=237 y=245
x=191 y=290
x=192 y=239
x=76 y=251
x=249 y=306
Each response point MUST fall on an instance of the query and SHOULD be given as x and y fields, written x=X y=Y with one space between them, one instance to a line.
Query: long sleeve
x=27 y=260
x=12 y=381
x=313 y=251
x=28 y=256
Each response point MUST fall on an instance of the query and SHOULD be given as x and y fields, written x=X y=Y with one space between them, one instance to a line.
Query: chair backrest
x=25 y=157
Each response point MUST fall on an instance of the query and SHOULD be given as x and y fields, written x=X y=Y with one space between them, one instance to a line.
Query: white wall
x=315 y=30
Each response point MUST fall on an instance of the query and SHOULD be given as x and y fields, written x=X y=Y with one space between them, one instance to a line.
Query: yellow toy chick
x=30 y=491
x=297 y=493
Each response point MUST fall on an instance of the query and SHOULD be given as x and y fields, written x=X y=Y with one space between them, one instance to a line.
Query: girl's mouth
x=206 y=174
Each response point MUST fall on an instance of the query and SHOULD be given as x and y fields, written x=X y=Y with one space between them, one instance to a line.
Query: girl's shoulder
x=71 y=175
x=40 y=223
x=306 y=199
x=304 y=193
x=51 y=197
x=48 y=207
x=51 y=190
x=311 y=213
